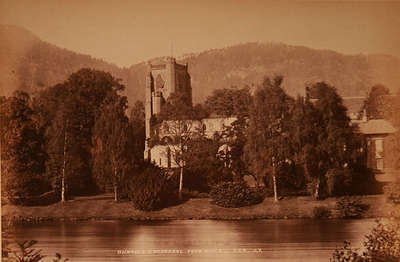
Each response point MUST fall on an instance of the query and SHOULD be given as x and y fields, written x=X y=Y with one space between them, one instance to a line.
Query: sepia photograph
x=200 y=131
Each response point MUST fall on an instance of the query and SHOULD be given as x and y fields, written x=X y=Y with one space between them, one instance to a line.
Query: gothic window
x=159 y=82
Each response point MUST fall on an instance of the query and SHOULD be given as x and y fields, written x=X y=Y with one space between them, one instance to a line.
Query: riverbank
x=103 y=207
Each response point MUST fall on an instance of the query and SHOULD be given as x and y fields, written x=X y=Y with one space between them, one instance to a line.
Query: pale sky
x=127 y=32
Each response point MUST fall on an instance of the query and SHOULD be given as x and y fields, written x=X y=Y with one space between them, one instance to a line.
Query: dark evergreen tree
x=376 y=102
x=228 y=102
x=328 y=140
x=137 y=128
x=22 y=149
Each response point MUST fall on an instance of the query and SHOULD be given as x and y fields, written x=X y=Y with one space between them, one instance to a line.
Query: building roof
x=375 y=127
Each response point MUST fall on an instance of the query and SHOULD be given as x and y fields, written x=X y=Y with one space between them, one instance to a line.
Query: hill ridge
x=30 y=64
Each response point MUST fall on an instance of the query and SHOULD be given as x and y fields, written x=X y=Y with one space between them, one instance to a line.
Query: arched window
x=159 y=83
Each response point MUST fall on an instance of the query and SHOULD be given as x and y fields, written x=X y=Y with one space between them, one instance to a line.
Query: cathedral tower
x=164 y=78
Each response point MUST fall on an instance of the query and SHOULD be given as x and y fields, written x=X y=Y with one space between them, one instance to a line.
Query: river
x=194 y=240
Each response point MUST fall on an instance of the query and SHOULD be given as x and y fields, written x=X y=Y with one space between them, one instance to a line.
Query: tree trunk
x=63 y=185
x=316 y=193
x=275 y=188
x=115 y=193
x=180 y=182
x=64 y=164
x=274 y=182
x=115 y=185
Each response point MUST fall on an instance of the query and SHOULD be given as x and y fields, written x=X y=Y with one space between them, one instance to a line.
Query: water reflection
x=205 y=240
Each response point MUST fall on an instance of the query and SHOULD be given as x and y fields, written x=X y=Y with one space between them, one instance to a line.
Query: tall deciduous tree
x=111 y=136
x=233 y=102
x=77 y=102
x=178 y=120
x=268 y=145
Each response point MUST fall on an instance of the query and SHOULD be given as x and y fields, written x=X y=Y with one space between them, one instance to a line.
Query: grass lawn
x=103 y=207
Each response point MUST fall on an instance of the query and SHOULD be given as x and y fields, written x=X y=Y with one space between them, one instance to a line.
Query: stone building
x=163 y=78
x=375 y=133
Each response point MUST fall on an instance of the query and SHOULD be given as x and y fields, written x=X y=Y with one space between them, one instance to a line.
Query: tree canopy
x=268 y=143
x=22 y=148
x=375 y=104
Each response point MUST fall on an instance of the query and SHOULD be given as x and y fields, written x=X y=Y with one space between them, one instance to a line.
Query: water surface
x=195 y=240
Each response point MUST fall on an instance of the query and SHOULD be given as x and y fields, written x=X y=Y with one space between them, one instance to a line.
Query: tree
x=268 y=145
x=111 y=131
x=203 y=168
x=393 y=141
x=23 y=155
x=381 y=244
x=137 y=128
x=327 y=138
x=375 y=103
x=233 y=102
x=68 y=110
x=228 y=102
x=177 y=119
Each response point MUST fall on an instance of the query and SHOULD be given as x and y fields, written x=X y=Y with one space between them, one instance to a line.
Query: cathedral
x=164 y=78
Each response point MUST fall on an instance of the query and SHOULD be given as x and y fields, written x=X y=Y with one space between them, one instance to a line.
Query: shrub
x=234 y=194
x=26 y=253
x=321 y=212
x=351 y=207
x=353 y=180
x=347 y=254
x=363 y=181
x=151 y=189
x=291 y=179
x=381 y=245
x=392 y=192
